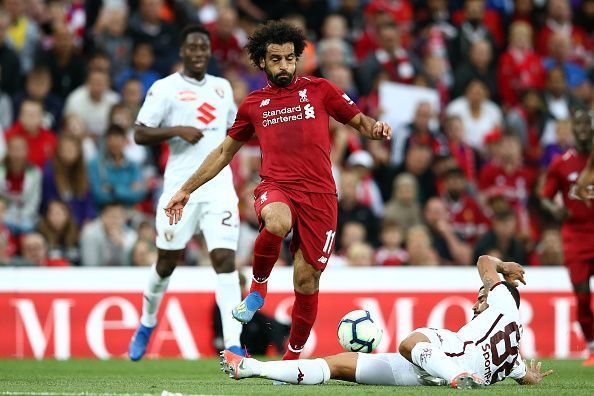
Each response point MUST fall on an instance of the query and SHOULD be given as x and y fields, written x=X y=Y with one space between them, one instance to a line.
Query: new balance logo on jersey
x=206 y=112
x=303 y=95
x=323 y=260
x=264 y=197
x=265 y=102
x=309 y=111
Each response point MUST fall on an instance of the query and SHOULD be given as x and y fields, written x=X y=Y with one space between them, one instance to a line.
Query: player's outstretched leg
x=298 y=372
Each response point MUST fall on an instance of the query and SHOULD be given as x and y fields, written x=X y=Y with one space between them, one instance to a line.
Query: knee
x=306 y=282
x=406 y=346
x=165 y=266
x=223 y=260
x=278 y=226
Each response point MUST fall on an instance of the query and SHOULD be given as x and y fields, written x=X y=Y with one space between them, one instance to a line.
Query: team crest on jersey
x=220 y=92
x=186 y=96
x=169 y=235
x=303 y=95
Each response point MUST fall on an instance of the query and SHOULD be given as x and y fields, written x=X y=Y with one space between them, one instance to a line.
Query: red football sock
x=303 y=317
x=266 y=251
x=584 y=314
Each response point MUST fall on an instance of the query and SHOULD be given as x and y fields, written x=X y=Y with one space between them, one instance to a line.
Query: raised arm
x=212 y=165
x=370 y=128
x=148 y=135
x=489 y=267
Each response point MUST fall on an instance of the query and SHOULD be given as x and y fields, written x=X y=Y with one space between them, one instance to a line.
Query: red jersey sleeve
x=551 y=184
x=338 y=104
x=242 y=128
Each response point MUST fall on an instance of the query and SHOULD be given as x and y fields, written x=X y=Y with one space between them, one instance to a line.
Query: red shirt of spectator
x=225 y=45
x=41 y=142
x=462 y=152
x=519 y=68
x=400 y=11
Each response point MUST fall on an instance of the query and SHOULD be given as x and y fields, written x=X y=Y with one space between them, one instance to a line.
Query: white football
x=358 y=332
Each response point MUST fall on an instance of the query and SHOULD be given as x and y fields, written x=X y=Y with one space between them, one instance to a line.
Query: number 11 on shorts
x=330 y=234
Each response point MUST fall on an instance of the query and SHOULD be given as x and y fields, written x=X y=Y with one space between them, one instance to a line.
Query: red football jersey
x=561 y=175
x=292 y=126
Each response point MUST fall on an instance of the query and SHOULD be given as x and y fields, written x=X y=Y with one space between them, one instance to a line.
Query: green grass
x=204 y=377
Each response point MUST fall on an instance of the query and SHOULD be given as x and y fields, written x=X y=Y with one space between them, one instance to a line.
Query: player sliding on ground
x=290 y=117
x=483 y=352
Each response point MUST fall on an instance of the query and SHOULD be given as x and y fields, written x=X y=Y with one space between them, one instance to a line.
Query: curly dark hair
x=274 y=32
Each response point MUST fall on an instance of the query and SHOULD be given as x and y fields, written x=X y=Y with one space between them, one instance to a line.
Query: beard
x=282 y=80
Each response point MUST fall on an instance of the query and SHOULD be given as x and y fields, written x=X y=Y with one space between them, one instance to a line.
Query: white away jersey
x=208 y=105
x=493 y=338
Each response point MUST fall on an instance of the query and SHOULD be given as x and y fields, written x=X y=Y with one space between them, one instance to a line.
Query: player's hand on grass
x=533 y=374
x=175 y=207
x=381 y=130
x=189 y=134
x=512 y=272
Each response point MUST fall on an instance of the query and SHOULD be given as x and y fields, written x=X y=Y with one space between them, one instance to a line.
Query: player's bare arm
x=212 y=165
x=370 y=128
x=533 y=374
x=489 y=267
x=145 y=135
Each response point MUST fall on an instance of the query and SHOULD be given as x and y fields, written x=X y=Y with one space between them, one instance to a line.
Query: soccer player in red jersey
x=290 y=117
x=578 y=220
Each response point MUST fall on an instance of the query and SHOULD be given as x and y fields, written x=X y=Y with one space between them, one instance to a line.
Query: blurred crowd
x=459 y=180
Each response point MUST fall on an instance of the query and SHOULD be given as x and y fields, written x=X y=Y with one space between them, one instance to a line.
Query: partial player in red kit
x=290 y=117
x=578 y=219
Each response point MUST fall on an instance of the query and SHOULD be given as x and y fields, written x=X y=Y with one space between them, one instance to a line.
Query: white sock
x=228 y=295
x=433 y=360
x=299 y=372
x=153 y=294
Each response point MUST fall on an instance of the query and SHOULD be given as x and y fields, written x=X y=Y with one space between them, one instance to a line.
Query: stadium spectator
x=417 y=162
x=332 y=52
x=403 y=207
x=140 y=68
x=368 y=193
x=479 y=114
x=465 y=156
x=560 y=56
x=351 y=210
x=335 y=26
x=10 y=66
x=559 y=19
x=419 y=249
x=38 y=86
x=471 y=30
x=352 y=232
x=23 y=33
x=109 y=34
x=445 y=240
x=390 y=253
x=112 y=177
x=146 y=25
x=549 y=251
x=60 y=231
x=107 y=240
x=34 y=252
x=479 y=66
x=419 y=132
x=502 y=238
x=20 y=185
x=132 y=95
x=65 y=178
x=8 y=243
x=465 y=213
x=41 y=142
x=66 y=66
x=74 y=126
x=519 y=68
x=226 y=46
x=563 y=143
x=391 y=56
x=558 y=103
x=92 y=102
x=144 y=253
x=527 y=120
x=360 y=254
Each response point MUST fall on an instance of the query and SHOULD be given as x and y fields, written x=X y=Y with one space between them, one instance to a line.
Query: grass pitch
x=152 y=377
